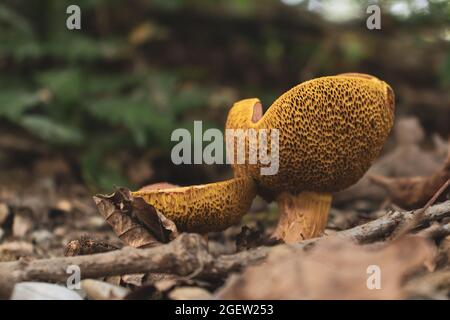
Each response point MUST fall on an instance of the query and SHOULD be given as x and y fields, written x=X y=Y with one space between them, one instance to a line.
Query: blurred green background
x=104 y=100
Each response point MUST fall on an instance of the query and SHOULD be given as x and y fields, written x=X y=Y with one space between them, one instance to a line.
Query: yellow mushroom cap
x=203 y=208
x=330 y=131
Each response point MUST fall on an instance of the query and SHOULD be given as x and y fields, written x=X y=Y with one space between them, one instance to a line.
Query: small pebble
x=42 y=237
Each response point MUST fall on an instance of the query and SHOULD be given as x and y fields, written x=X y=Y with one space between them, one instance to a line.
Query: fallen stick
x=187 y=255
x=419 y=213
x=382 y=227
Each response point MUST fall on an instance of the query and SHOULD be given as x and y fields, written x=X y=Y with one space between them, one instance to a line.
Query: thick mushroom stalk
x=302 y=216
x=203 y=208
x=330 y=131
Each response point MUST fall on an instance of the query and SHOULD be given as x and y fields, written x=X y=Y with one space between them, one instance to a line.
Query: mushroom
x=202 y=208
x=330 y=131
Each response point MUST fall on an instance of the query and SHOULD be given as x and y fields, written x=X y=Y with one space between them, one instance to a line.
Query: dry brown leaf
x=414 y=192
x=136 y=222
x=334 y=269
x=85 y=246
x=434 y=285
x=135 y=280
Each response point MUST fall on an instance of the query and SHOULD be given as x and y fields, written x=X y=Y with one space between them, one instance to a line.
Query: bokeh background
x=95 y=107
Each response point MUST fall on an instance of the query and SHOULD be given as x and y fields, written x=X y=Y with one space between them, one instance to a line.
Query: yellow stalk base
x=302 y=216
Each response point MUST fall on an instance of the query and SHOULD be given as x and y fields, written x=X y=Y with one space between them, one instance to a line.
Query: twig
x=421 y=212
x=383 y=226
x=186 y=255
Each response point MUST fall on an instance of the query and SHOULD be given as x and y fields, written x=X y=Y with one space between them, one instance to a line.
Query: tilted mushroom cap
x=203 y=208
x=330 y=131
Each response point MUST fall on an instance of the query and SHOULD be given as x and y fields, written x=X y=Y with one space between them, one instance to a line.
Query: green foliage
x=49 y=130
x=14 y=103
x=77 y=105
x=97 y=94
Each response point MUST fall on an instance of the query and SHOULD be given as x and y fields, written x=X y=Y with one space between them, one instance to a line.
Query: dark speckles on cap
x=210 y=207
x=331 y=129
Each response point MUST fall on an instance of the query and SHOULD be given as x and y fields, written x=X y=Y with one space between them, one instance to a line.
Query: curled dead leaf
x=414 y=192
x=135 y=222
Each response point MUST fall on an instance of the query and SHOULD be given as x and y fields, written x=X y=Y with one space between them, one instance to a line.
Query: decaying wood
x=188 y=254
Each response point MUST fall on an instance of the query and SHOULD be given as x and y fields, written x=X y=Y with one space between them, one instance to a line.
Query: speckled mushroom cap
x=330 y=131
x=203 y=208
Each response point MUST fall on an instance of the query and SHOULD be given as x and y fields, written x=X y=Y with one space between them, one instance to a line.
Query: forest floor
x=48 y=223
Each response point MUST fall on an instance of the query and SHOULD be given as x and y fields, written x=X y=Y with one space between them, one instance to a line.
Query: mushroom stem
x=302 y=216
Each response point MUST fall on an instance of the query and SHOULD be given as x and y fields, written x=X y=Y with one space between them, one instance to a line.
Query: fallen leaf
x=414 y=192
x=135 y=280
x=135 y=222
x=334 y=269
x=434 y=285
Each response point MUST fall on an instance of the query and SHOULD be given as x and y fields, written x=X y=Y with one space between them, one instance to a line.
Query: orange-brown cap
x=330 y=131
